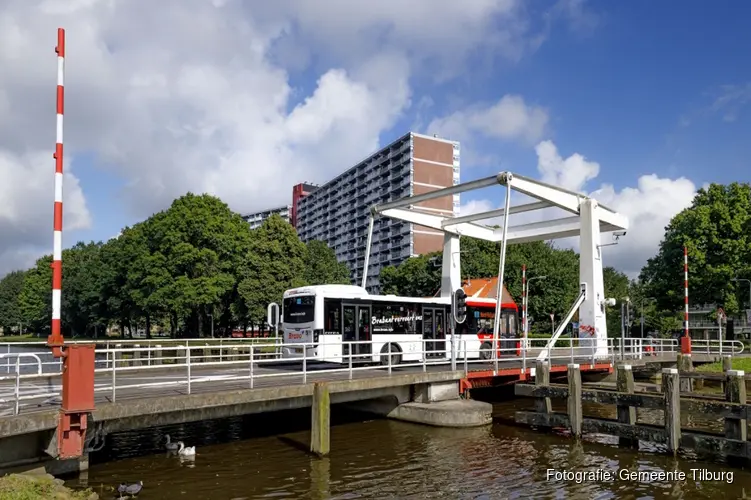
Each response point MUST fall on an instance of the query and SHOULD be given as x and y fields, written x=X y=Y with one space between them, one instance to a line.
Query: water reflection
x=241 y=458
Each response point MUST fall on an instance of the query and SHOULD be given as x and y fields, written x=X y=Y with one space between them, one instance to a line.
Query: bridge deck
x=136 y=383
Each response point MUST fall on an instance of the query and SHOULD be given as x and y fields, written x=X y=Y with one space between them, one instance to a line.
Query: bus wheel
x=486 y=351
x=396 y=355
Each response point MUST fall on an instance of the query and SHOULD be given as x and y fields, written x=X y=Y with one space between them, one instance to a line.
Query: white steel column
x=367 y=252
x=592 y=323
x=451 y=277
x=501 y=269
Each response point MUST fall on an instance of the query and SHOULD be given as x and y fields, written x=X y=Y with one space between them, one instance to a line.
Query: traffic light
x=460 y=306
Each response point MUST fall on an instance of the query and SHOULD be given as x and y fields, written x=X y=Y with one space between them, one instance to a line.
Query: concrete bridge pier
x=21 y=453
x=435 y=403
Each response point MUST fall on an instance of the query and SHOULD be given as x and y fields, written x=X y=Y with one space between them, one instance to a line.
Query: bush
x=41 y=487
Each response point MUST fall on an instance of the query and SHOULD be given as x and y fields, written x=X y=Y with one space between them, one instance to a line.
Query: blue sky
x=639 y=88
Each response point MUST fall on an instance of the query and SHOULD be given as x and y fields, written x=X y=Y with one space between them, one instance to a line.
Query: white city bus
x=325 y=316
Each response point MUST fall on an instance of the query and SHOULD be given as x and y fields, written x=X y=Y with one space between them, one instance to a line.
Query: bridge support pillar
x=626 y=414
x=685 y=365
x=321 y=421
x=575 y=399
x=77 y=399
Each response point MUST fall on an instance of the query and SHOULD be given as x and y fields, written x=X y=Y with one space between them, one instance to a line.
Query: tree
x=716 y=229
x=35 y=300
x=83 y=276
x=10 y=291
x=274 y=262
x=190 y=267
x=415 y=277
x=321 y=266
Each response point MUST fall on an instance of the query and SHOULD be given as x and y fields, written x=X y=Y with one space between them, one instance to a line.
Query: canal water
x=248 y=458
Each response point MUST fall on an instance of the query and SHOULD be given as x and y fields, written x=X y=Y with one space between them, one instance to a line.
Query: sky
x=637 y=104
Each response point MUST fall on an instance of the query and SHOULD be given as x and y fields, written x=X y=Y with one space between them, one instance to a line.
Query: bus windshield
x=299 y=309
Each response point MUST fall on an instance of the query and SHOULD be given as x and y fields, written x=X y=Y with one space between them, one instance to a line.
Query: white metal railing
x=51 y=364
x=125 y=367
x=721 y=347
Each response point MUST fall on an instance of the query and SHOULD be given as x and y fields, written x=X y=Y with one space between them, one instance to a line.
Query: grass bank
x=738 y=364
x=39 y=487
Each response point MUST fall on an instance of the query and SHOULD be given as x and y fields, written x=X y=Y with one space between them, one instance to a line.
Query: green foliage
x=35 y=300
x=10 y=291
x=190 y=267
x=38 y=487
x=716 y=229
x=274 y=263
x=415 y=277
x=322 y=267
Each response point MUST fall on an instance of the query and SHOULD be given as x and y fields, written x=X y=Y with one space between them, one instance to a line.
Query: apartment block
x=255 y=220
x=337 y=212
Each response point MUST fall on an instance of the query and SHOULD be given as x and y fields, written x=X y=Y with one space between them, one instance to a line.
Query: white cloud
x=649 y=206
x=572 y=173
x=731 y=99
x=508 y=119
x=198 y=95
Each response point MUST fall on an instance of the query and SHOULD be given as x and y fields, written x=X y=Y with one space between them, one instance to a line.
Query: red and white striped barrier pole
x=686 y=339
x=55 y=340
x=524 y=301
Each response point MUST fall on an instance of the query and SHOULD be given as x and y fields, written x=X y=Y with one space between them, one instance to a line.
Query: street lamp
x=642 y=313
x=624 y=302
x=525 y=293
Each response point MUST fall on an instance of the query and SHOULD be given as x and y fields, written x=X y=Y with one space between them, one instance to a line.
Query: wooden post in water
x=575 y=399
x=542 y=378
x=626 y=414
x=735 y=392
x=320 y=425
x=671 y=387
x=685 y=364
x=727 y=365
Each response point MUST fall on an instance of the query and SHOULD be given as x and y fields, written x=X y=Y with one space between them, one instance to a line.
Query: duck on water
x=130 y=489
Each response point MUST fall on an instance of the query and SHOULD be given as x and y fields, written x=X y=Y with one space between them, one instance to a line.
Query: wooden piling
x=321 y=419
x=671 y=387
x=542 y=378
x=626 y=414
x=727 y=365
x=735 y=392
x=574 y=399
x=685 y=364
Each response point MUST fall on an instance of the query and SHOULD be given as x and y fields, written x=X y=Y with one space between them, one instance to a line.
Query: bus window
x=332 y=315
x=511 y=318
x=480 y=322
x=299 y=309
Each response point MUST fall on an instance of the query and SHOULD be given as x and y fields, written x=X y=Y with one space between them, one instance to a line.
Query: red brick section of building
x=299 y=191
x=433 y=162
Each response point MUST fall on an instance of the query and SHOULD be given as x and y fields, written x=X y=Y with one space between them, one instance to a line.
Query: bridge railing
x=54 y=365
x=143 y=368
